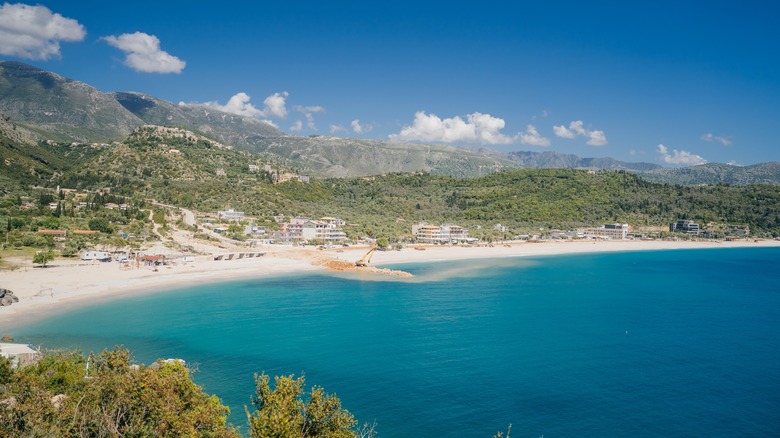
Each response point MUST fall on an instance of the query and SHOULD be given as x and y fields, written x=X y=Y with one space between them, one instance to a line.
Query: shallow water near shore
x=653 y=343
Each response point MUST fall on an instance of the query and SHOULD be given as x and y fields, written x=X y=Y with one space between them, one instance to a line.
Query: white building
x=447 y=233
x=333 y=221
x=608 y=231
x=323 y=231
x=254 y=230
x=453 y=233
x=425 y=233
x=231 y=215
x=501 y=228
x=94 y=255
x=19 y=354
x=254 y=168
x=288 y=233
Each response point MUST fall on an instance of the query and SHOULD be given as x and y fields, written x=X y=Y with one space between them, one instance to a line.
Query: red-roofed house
x=62 y=233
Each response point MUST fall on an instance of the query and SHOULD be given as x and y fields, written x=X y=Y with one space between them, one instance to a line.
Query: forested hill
x=717 y=173
x=524 y=200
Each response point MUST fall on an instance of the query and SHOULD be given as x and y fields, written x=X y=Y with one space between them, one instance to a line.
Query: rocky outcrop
x=7 y=297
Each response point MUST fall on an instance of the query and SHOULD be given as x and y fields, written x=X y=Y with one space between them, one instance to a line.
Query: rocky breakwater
x=345 y=266
x=7 y=297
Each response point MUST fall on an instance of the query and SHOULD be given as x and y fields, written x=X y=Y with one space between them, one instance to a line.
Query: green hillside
x=347 y=157
x=717 y=173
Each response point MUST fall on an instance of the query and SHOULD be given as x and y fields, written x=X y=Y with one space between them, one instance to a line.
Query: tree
x=43 y=257
x=117 y=399
x=100 y=224
x=382 y=242
x=288 y=411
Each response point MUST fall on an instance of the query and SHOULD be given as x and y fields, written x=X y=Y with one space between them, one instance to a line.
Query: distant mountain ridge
x=224 y=127
x=65 y=109
x=49 y=106
x=61 y=108
x=554 y=160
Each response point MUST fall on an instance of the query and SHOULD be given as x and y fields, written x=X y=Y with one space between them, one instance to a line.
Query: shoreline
x=65 y=285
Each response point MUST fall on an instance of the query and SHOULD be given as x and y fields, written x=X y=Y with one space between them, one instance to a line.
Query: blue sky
x=673 y=83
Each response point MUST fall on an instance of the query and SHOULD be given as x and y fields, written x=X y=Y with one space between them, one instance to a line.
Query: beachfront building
x=454 y=233
x=425 y=233
x=607 y=231
x=230 y=215
x=255 y=230
x=288 y=233
x=323 y=231
x=434 y=234
x=94 y=255
x=738 y=230
x=684 y=226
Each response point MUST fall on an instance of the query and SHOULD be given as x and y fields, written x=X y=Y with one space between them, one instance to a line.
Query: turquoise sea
x=638 y=344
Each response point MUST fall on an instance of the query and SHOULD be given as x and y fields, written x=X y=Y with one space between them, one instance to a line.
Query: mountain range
x=46 y=106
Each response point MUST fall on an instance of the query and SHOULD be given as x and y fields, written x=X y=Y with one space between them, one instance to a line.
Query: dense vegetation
x=106 y=395
x=523 y=200
x=179 y=168
x=387 y=205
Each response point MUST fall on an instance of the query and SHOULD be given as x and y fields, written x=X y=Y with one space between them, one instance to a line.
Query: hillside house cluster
x=279 y=178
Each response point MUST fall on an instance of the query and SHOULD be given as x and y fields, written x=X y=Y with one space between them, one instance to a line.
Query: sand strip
x=42 y=291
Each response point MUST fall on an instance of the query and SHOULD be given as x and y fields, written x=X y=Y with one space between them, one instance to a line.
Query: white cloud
x=563 y=132
x=297 y=126
x=240 y=104
x=725 y=141
x=337 y=128
x=577 y=127
x=237 y=104
x=275 y=105
x=308 y=112
x=361 y=128
x=477 y=128
x=532 y=137
x=34 y=32
x=597 y=138
x=683 y=158
x=144 y=53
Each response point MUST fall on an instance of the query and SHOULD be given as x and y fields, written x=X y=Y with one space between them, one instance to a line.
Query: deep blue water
x=667 y=343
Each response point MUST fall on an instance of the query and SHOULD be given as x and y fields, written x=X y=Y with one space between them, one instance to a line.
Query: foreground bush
x=105 y=395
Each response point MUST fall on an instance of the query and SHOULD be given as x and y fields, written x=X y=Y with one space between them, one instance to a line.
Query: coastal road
x=189 y=219
x=187 y=215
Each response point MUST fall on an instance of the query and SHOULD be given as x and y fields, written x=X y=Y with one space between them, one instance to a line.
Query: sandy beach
x=65 y=283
